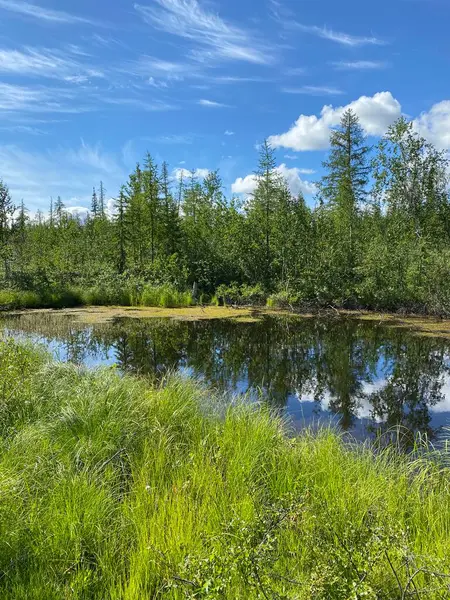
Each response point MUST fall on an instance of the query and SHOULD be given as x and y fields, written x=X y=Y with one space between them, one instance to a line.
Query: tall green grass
x=112 y=489
x=158 y=296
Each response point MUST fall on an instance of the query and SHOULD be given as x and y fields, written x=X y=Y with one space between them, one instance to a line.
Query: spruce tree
x=59 y=211
x=347 y=165
x=94 y=204
x=343 y=191
x=101 y=200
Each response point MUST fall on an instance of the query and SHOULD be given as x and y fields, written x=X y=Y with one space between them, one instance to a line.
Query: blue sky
x=87 y=87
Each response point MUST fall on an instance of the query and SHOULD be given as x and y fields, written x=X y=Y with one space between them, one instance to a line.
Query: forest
x=376 y=237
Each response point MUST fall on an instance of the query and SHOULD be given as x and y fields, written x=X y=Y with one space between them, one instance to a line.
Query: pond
x=366 y=378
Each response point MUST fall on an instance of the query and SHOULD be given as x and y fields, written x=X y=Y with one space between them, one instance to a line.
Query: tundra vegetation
x=113 y=488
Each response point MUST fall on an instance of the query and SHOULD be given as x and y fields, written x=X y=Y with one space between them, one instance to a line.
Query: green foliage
x=114 y=489
x=165 y=296
x=380 y=225
x=241 y=295
x=282 y=299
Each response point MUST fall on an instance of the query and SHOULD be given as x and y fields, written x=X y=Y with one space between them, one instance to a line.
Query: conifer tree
x=59 y=211
x=101 y=200
x=94 y=204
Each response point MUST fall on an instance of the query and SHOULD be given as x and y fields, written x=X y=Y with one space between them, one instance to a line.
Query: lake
x=366 y=378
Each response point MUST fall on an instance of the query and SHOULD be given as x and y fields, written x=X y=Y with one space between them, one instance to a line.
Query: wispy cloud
x=158 y=72
x=227 y=132
x=314 y=90
x=45 y=14
x=216 y=38
x=293 y=71
x=212 y=104
x=234 y=79
x=340 y=37
x=26 y=129
x=15 y=98
x=33 y=176
x=174 y=139
x=157 y=83
x=359 y=65
x=45 y=63
x=140 y=104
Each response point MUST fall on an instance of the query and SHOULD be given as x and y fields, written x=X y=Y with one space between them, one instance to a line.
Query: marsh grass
x=112 y=489
x=164 y=296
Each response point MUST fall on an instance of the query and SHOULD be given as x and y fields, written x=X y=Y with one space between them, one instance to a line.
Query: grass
x=164 y=296
x=112 y=489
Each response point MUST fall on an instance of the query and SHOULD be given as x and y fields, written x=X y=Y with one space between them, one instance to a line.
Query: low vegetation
x=111 y=488
x=164 y=296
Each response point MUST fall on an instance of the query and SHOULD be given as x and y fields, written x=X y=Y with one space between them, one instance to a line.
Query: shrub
x=242 y=294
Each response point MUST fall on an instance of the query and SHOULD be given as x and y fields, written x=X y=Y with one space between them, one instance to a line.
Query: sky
x=86 y=88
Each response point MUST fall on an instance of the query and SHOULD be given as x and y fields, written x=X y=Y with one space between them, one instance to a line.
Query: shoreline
x=419 y=324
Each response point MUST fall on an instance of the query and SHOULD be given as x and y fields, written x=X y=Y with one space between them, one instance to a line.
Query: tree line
x=378 y=235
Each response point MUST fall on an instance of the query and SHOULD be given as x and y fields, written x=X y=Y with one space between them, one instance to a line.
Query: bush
x=283 y=299
x=242 y=295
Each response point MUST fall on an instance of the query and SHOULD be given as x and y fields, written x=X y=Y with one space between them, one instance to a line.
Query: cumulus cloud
x=309 y=132
x=434 y=125
x=246 y=185
x=180 y=172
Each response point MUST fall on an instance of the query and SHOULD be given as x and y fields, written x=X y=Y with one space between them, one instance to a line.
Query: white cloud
x=92 y=156
x=148 y=66
x=180 y=172
x=246 y=185
x=217 y=38
x=309 y=132
x=293 y=71
x=314 y=90
x=37 y=99
x=46 y=63
x=359 y=65
x=301 y=171
x=27 y=129
x=140 y=104
x=337 y=36
x=156 y=84
x=212 y=104
x=235 y=79
x=435 y=125
x=229 y=132
x=45 y=14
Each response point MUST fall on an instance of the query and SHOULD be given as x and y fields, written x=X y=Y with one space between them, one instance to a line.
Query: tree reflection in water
x=360 y=371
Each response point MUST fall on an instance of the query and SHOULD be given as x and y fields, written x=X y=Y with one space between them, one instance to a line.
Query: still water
x=364 y=377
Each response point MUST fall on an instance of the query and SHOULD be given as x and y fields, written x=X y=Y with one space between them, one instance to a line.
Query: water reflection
x=367 y=377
